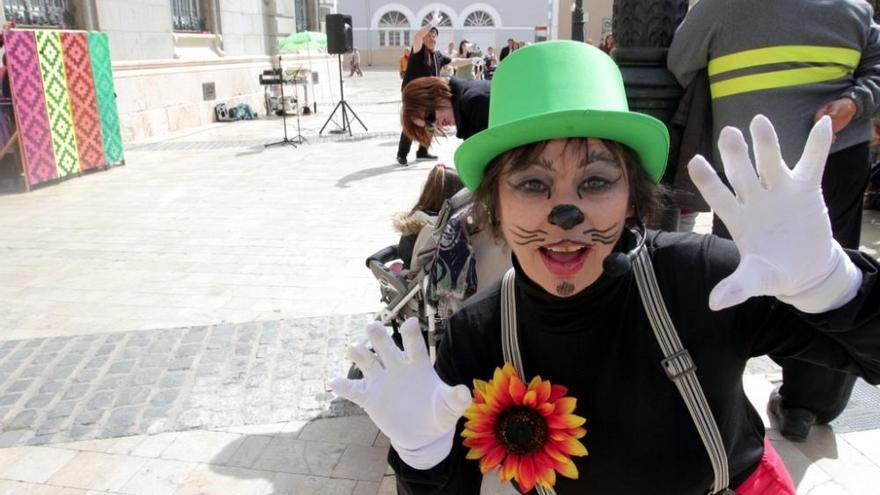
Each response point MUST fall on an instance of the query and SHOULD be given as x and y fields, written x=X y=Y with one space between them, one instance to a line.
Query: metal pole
x=577 y=21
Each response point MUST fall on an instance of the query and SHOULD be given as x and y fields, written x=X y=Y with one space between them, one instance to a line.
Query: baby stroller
x=436 y=283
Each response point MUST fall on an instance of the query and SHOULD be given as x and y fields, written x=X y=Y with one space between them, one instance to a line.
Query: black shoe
x=426 y=156
x=401 y=160
x=794 y=423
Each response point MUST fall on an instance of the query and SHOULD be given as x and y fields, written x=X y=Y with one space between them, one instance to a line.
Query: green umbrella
x=308 y=41
x=303 y=40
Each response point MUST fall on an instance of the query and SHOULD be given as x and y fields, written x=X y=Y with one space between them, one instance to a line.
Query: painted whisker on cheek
x=525 y=236
x=607 y=236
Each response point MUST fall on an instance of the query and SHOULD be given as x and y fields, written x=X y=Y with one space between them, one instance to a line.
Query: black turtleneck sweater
x=599 y=343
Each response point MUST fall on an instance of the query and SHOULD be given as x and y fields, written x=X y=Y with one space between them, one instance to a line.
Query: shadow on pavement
x=343 y=183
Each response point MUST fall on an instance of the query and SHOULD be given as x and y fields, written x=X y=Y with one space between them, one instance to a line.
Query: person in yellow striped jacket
x=794 y=61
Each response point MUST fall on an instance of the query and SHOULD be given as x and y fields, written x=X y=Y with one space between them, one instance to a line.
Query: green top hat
x=560 y=89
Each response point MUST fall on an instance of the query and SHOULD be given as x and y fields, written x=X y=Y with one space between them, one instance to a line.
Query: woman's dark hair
x=442 y=184
x=461 y=47
x=642 y=192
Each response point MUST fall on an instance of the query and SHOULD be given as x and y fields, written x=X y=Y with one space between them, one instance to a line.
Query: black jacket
x=599 y=343
x=470 y=104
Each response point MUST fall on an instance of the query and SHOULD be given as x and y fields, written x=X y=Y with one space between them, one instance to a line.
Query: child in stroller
x=442 y=251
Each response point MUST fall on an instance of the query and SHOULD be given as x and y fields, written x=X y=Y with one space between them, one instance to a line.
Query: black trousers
x=405 y=145
x=823 y=391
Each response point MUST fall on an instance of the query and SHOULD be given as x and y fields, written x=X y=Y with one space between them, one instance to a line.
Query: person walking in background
x=424 y=61
x=404 y=60
x=826 y=63
x=511 y=46
x=355 y=63
x=607 y=43
x=465 y=71
x=448 y=71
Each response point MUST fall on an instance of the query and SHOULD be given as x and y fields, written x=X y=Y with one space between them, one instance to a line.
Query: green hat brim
x=646 y=135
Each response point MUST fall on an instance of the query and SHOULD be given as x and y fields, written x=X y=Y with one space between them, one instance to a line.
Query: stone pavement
x=168 y=326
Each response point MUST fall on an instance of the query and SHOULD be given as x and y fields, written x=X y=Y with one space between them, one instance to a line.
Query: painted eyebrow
x=599 y=156
x=530 y=162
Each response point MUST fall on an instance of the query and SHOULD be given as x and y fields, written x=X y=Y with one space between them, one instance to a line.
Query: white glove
x=404 y=396
x=435 y=18
x=778 y=221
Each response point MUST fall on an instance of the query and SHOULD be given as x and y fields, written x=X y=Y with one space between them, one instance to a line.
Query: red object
x=771 y=477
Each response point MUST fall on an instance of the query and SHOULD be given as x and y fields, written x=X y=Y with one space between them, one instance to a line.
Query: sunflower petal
x=565 y=405
x=557 y=392
x=526 y=476
x=576 y=432
x=569 y=446
x=492 y=458
x=529 y=398
x=517 y=390
x=546 y=409
x=566 y=468
x=510 y=467
x=564 y=422
x=543 y=391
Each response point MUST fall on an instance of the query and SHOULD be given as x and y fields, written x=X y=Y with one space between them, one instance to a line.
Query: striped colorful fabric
x=57 y=102
x=30 y=106
x=99 y=52
x=83 y=102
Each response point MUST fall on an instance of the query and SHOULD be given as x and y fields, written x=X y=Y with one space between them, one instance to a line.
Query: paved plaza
x=168 y=326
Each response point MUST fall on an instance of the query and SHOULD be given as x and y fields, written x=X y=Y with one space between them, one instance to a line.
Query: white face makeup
x=562 y=213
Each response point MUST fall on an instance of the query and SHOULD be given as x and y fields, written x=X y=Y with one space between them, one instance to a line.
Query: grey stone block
x=165 y=397
x=81 y=432
x=44 y=358
x=154 y=361
x=15 y=437
x=85 y=376
x=50 y=426
x=111 y=383
x=115 y=337
x=62 y=409
x=121 y=367
x=61 y=373
x=183 y=363
x=162 y=346
x=51 y=387
x=100 y=400
x=40 y=401
x=194 y=335
x=23 y=420
x=31 y=372
x=89 y=417
x=132 y=396
x=123 y=416
x=54 y=345
x=105 y=350
x=77 y=391
x=188 y=350
x=146 y=377
x=172 y=380
x=70 y=359
x=19 y=386
x=97 y=362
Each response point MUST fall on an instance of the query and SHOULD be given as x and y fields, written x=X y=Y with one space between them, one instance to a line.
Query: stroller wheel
x=354 y=373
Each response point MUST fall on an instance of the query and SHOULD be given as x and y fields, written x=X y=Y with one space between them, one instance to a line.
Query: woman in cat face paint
x=555 y=379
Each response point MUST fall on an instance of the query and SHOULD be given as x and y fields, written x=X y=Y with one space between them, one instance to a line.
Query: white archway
x=403 y=9
x=442 y=7
x=496 y=17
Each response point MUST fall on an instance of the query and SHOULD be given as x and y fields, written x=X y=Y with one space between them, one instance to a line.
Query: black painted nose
x=566 y=216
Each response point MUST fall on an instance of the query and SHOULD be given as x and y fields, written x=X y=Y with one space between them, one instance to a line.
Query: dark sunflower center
x=521 y=430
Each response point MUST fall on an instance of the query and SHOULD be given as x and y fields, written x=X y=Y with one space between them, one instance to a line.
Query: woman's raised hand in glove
x=778 y=220
x=403 y=395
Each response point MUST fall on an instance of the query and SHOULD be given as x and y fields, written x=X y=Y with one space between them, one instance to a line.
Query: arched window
x=479 y=18
x=445 y=20
x=393 y=29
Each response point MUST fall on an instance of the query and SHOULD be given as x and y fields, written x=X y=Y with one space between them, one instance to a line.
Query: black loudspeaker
x=339 y=34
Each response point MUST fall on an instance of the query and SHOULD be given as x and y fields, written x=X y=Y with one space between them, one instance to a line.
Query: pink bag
x=771 y=477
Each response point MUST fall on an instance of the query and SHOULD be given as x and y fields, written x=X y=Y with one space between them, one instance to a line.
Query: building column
x=643 y=30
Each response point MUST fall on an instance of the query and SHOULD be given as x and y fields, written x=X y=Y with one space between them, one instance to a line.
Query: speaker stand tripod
x=346 y=109
x=286 y=140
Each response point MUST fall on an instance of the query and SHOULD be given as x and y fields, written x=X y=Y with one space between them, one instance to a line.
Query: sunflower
x=529 y=432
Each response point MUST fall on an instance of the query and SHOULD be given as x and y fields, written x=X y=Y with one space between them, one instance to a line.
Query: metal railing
x=187 y=16
x=55 y=13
